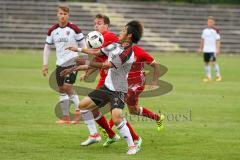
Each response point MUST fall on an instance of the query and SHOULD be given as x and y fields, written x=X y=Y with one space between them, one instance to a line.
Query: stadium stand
x=174 y=28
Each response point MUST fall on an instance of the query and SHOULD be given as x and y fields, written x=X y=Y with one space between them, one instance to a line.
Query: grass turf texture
x=27 y=119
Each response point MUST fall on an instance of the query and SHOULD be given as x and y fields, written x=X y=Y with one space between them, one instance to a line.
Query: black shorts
x=103 y=95
x=70 y=79
x=207 y=57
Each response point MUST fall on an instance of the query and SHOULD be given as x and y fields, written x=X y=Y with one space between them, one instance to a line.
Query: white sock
x=208 y=71
x=89 y=121
x=217 y=70
x=75 y=100
x=140 y=111
x=64 y=103
x=124 y=131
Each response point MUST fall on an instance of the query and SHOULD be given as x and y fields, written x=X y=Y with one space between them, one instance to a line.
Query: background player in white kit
x=62 y=35
x=210 y=46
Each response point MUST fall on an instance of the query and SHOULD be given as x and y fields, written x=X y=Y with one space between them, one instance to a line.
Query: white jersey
x=210 y=37
x=62 y=38
x=122 y=60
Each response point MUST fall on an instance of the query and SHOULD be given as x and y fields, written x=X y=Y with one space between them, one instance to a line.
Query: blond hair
x=211 y=18
x=64 y=8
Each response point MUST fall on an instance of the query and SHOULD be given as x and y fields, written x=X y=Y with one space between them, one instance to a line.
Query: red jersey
x=136 y=74
x=109 y=38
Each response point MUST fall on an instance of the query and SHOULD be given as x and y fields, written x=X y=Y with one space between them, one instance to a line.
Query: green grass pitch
x=212 y=130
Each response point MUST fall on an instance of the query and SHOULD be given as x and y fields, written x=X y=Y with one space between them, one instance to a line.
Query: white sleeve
x=82 y=43
x=106 y=50
x=49 y=40
x=46 y=52
x=79 y=37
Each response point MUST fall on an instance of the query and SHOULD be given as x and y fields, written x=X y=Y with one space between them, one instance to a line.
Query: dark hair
x=136 y=29
x=105 y=18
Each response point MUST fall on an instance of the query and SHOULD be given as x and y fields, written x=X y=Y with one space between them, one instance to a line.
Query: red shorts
x=133 y=95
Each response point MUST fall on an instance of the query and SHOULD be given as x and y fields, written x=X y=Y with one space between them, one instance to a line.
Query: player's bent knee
x=68 y=88
x=133 y=110
x=61 y=89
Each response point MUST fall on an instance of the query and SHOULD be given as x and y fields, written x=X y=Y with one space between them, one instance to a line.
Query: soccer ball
x=94 y=39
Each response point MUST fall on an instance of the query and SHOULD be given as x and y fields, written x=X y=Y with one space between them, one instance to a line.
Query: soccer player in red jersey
x=101 y=24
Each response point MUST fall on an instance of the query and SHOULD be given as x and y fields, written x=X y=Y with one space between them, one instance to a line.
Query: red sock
x=149 y=114
x=103 y=123
x=133 y=134
x=111 y=124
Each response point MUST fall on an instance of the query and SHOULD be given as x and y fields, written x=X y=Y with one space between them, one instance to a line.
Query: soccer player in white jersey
x=63 y=34
x=210 y=46
x=119 y=62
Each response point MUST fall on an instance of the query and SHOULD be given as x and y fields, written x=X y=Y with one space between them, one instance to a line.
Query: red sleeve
x=52 y=29
x=144 y=56
x=216 y=29
x=75 y=28
x=110 y=38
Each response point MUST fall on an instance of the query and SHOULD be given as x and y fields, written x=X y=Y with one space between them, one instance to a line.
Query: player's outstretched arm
x=94 y=64
x=88 y=72
x=103 y=65
x=65 y=72
x=96 y=52
x=156 y=74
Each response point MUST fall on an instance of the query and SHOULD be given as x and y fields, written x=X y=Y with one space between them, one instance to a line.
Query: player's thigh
x=100 y=97
x=132 y=97
x=87 y=103
x=68 y=88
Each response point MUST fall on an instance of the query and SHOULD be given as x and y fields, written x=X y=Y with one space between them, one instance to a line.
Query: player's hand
x=66 y=72
x=83 y=77
x=81 y=61
x=199 y=50
x=75 y=49
x=45 y=70
x=217 y=52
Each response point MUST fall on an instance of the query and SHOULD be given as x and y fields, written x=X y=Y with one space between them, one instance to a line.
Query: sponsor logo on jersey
x=63 y=40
